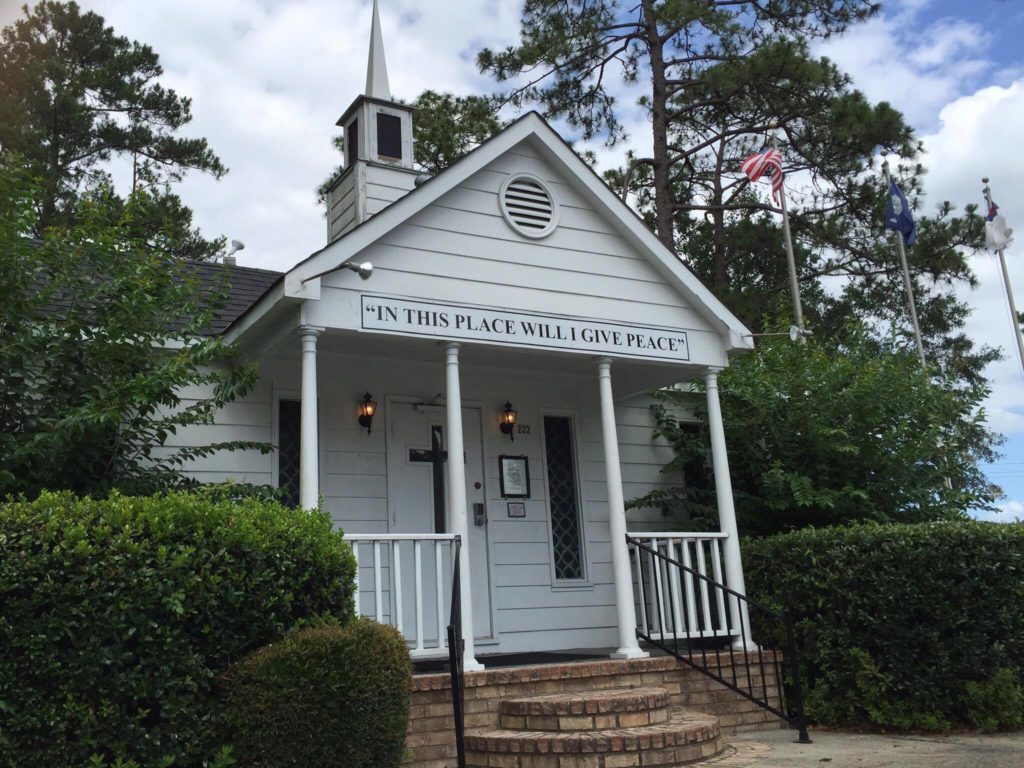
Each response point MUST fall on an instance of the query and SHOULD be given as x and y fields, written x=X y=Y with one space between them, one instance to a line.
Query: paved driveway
x=778 y=749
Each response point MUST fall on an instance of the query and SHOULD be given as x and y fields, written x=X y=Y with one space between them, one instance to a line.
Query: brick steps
x=610 y=728
x=430 y=741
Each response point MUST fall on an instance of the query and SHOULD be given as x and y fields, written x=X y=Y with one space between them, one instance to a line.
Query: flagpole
x=908 y=285
x=794 y=284
x=1006 y=282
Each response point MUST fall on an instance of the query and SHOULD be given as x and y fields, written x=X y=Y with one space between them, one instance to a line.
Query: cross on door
x=436 y=456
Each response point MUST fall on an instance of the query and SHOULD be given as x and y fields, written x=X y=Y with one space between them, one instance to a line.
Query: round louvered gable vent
x=528 y=205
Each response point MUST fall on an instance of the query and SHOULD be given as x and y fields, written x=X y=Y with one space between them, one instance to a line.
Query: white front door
x=417 y=503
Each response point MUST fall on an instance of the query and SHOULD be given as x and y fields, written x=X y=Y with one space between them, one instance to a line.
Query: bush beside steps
x=911 y=627
x=331 y=697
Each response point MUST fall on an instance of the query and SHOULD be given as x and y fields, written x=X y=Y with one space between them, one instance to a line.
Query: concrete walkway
x=832 y=749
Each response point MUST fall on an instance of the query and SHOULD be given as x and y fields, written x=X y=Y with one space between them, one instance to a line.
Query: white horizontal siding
x=460 y=249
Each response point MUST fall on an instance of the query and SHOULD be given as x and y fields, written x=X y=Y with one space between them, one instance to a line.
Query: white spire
x=376 y=68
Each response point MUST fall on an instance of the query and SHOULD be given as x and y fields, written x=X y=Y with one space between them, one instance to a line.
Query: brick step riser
x=665 y=756
x=584 y=722
x=639 y=739
x=586 y=711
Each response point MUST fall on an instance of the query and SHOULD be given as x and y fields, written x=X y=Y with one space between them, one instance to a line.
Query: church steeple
x=378 y=146
x=377 y=86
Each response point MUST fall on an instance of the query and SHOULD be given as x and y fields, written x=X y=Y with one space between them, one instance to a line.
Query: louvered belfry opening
x=528 y=206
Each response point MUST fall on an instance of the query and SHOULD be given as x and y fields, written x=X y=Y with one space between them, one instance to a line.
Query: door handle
x=479 y=514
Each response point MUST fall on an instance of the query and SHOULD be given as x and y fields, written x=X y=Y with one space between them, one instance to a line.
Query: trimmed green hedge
x=328 y=697
x=117 y=616
x=903 y=626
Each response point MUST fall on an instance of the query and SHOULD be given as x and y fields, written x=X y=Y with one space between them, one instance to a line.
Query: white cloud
x=1010 y=512
x=977 y=137
x=914 y=65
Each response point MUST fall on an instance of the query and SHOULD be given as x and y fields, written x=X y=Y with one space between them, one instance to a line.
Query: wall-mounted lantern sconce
x=367 y=408
x=507 y=421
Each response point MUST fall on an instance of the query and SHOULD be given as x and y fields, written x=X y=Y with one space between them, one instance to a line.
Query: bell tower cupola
x=378 y=148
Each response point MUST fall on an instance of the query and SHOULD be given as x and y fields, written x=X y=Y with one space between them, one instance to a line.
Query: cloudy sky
x=268 y=79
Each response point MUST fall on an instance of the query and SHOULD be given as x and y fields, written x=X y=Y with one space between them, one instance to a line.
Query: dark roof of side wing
x=245 y=286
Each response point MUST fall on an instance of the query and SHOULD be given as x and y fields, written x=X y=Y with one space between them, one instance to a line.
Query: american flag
x=757 y=164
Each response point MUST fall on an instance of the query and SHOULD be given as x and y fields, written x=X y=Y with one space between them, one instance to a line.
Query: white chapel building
x=510 y=311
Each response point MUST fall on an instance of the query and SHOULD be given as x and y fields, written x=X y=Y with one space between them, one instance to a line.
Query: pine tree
x=76 y=95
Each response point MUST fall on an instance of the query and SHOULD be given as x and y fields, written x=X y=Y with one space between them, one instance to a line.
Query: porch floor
x=528 y=659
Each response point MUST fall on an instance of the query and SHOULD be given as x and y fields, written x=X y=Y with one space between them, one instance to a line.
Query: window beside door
x=289 y=414
x=563 y=498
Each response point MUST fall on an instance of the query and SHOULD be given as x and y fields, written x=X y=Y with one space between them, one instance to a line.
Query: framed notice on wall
x=514 y=472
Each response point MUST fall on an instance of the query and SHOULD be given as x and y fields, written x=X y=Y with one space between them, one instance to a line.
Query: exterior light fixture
x=795 y=333
x=364 y=269
x=367 y=408
x=507 y=421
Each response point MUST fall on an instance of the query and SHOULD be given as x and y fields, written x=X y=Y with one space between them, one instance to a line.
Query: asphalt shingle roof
x=246 y=285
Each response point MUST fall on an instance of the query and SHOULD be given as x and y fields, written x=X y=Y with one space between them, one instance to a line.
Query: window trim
x=405 y=129
x=585 y=581
x=351 y=131
x=275 y=431
x=275 y=419
x=378 y=124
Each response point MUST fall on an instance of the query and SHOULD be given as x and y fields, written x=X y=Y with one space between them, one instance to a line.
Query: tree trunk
x=659 y=124
x=718 y=219
x=51 y=183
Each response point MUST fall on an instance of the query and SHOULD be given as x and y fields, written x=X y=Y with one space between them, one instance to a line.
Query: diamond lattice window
x=288 y=416
x=563 y=497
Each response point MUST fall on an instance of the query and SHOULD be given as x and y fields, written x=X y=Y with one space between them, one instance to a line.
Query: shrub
x=902 y=626
x=117 y=616
x=333 y=697
x=995 y=703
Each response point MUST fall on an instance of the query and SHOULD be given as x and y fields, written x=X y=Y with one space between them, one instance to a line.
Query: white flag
x=997 y=235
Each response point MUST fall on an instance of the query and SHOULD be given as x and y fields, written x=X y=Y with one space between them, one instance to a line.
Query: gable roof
x=303 y=280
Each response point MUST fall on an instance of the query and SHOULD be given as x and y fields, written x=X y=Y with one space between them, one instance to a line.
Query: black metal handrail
x=664 y=615
x=455 y=652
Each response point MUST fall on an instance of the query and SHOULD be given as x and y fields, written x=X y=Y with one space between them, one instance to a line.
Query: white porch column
x=309 y=452
x=629 y=648
x=457 y=506
x=726 y=507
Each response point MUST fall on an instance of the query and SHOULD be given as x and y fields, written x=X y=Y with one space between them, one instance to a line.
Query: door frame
x=441 y=404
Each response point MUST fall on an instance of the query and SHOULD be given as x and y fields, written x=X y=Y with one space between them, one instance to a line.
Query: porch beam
x=726 y=506
x=309 y=452
x=457 y=505
x=629 y=648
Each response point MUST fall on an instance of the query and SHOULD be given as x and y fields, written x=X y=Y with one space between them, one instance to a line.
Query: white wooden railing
x=668 y=609
x=404 y=579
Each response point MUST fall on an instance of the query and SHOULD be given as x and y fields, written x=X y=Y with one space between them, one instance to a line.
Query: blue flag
x=897 y=214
